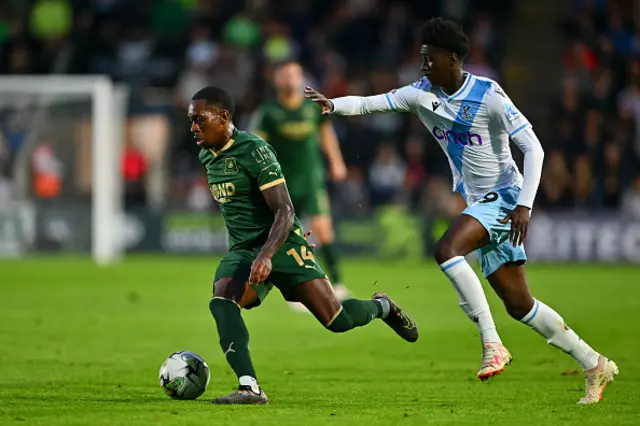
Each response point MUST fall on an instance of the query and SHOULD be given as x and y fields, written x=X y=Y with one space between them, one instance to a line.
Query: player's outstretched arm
x=277 y=197
x=405 y=99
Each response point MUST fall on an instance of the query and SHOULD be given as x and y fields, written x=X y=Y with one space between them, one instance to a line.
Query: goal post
x=108 y=105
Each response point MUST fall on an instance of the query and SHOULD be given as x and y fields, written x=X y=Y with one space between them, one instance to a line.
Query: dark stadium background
x=572 y=67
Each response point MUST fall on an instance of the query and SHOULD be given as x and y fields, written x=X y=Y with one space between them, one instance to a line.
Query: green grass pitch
x=82 y=345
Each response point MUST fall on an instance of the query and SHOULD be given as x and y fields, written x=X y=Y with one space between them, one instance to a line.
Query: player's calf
x=599 y=371
x=552 y=326
x=319 y=298
x=518 y=309
x=464 y=236
x=510 y=285
x=355 y=313
x=229 y=296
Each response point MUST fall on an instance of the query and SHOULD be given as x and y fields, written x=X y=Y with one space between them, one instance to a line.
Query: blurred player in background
x=266 y=245
x=473 y=119
x=298 y=132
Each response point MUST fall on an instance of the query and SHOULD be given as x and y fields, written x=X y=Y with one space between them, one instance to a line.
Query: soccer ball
x=184 y=375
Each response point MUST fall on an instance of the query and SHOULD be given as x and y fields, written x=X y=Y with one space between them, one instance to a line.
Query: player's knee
x=228 y=289
x=236 y=291
x=220 y=305
x=341 y=323
x=216 y=302
x=445 y=250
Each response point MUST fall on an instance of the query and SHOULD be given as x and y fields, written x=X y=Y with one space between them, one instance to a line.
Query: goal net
x=61 y=138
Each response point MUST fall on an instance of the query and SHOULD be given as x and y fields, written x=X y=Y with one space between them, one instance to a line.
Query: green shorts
x=295 y=263
x=313 y=202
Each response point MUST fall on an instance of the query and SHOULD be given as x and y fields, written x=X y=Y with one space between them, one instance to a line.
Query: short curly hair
x=446 y=35
x=217 y=97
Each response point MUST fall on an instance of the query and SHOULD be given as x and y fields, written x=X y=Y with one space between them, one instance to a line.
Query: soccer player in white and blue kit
x=473 y=119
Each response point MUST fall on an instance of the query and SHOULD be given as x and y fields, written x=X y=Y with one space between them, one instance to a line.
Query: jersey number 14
x=300 y=258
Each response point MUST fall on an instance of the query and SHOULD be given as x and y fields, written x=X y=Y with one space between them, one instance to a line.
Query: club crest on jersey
x=230 y=165
x=466 y=112
x=511 y=112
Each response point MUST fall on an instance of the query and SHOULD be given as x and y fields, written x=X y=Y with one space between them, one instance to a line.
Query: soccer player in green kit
x=266 y=244
x=299 y=133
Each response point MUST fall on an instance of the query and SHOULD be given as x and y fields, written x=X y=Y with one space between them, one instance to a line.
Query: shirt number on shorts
x=490 y=198
x=300 y=258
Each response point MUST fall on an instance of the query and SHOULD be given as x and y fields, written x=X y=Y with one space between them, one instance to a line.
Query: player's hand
x=338 y=172
x=306 y=237
x=260 y=268
x=519 y=218
x=320 y=99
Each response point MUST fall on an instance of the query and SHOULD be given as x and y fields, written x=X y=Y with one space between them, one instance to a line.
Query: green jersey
x=294 y=134
x=237 y=174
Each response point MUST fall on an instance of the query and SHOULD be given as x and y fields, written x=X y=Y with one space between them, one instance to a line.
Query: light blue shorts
x=489 y=211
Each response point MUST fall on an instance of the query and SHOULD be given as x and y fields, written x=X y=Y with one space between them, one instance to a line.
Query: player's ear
x=225 y=117
x=453 y=58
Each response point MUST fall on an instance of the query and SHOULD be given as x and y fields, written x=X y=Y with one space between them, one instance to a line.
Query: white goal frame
x=108 y=117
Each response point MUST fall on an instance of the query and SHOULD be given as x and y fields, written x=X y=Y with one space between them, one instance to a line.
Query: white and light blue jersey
x=473 y=127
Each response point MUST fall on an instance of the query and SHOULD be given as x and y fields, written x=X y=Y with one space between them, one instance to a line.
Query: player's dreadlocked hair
x=447 y=35
x=217 y=97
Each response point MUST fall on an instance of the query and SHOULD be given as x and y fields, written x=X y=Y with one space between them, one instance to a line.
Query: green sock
x=234 y=336
x=356 y=313
x=330 y=255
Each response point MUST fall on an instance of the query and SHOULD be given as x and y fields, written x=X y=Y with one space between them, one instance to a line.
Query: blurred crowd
x=593 y=159
x=165 y=50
